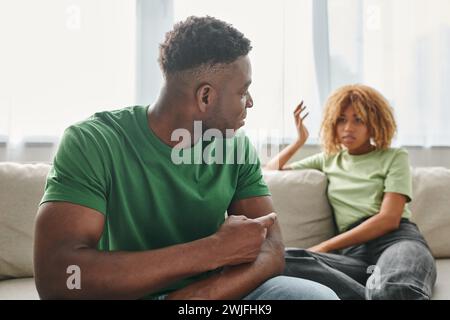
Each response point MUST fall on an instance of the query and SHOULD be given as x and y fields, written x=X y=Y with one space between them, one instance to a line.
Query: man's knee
x=289 y=288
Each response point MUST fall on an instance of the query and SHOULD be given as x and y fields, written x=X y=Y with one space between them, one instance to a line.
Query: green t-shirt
x=115 y=164
x=356 y=184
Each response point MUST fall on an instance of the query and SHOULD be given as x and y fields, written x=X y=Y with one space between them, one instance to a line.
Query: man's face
x=233 y=97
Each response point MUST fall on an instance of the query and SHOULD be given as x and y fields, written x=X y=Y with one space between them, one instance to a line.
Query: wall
x=419 y=157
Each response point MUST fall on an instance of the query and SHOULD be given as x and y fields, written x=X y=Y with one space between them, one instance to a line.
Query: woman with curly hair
x=378 y=252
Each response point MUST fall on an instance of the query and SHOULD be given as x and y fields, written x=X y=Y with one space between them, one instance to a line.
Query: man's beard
x=219 y=122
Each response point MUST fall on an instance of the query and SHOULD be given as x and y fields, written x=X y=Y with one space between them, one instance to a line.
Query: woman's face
x=353 y=133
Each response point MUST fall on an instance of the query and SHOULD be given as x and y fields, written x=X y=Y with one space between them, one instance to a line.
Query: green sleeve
x=398 y=178
x=314 y=162
x=250 y=180
x=78 y=173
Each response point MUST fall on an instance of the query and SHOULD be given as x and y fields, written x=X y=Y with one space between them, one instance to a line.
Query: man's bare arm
x=237 y=281
x=67 y=234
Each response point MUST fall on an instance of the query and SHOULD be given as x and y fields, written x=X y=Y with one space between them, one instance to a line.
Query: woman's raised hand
x=299 y=116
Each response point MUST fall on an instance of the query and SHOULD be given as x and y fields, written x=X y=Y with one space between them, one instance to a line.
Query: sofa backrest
x=21 y=189
x=299 y=198
x=430 y=208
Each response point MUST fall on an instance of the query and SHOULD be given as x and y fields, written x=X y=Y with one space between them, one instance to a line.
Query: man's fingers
x=268 y=220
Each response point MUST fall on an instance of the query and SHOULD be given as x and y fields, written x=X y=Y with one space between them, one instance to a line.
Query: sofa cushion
x=299 y=198
x=442 y=287
x=431 y=208
x=300 y=201
x=18 y=289
x=21 y=189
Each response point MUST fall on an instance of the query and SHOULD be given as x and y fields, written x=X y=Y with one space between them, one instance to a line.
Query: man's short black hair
x=199 y=41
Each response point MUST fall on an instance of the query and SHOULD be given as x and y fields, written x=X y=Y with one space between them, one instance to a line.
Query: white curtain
x=306 y=49
x=402 y=48
x=63 y=60
x=60 y=62
x=282 y=59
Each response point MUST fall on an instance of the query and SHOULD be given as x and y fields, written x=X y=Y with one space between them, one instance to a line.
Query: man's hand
x=240 y=238
x=268 y=220
x=242 y=272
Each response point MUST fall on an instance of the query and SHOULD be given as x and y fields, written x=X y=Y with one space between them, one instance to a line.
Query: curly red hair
x=370 y=105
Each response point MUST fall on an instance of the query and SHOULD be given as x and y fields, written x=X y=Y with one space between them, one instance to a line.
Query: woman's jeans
x=398 y=265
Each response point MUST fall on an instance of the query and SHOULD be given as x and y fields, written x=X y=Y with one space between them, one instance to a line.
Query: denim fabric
x=398 y=265
x=287 y=288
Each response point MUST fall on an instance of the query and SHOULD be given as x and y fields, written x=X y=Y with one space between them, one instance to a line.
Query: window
x=401 y=48
x=306 y=49
x=282 y=59
x=62 y=61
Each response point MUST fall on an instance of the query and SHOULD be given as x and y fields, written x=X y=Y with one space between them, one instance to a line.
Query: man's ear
x=205 y=96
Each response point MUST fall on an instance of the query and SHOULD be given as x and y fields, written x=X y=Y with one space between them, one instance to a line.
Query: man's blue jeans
x=288 y=288
x=396 y=266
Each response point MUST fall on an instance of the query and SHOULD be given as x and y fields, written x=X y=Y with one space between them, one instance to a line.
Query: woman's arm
x=279 y=161
x=387 y=220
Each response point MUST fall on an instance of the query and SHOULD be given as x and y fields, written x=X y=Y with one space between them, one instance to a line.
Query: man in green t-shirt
x=135 y=202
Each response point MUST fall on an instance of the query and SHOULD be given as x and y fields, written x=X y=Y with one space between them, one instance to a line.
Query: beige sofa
x=299 y=198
